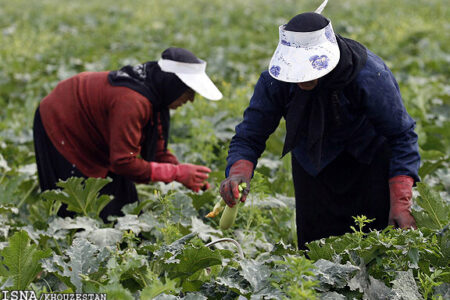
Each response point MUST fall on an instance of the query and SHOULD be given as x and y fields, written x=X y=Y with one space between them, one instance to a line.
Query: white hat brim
x=194 y=76
x=293 y=63
x=202 y=84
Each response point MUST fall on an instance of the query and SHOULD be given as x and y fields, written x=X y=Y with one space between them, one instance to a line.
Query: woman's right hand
x=240 y=172
x=192 y=176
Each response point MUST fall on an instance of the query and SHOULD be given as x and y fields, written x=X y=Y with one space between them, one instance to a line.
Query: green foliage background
x=45 y=41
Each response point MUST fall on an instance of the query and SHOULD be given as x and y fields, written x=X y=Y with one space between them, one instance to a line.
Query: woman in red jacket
x=116 y=124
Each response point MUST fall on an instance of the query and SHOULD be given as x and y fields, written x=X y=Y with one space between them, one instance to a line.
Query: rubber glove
x=241 y=171
x=400 y=188
x=191 y=176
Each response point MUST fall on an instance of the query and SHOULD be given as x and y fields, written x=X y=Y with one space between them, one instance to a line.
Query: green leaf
x=404 y=287
x=332 y=296
x=82 y=258
x=204 y=231
x=423 y=220
x=280 y=249
x=8 y=283
x=194 y=296
x=443 y=290
x=4 y=226
x=438 y=212
x=445 y=245
x=4 y=164
x=371 y=287
x=413 y=255
x=232 y=278
x=334 y=275
x=42 y=210
x=193 y=259
x=372 y=252
x=156 y=287
x=320 y=250
x=166 y=297
x=429 y=167
x=8 y=209
x=143 y=223
x=136 y=207
x=327 y=248
x=81 y=195
x=426 y=155
x=132 y=222
x=103 y=237
x=213 y=290
x=256 y=273
x=183 y=209
x=124 y=265
x=21 y=261
x=59 y=227
x=176 y=247
x=10 y=189
x=116 y=292
x=377 y=289
x=200 y=200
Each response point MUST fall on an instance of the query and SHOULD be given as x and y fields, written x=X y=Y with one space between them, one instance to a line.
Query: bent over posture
x=354 y=149
x=116 y=124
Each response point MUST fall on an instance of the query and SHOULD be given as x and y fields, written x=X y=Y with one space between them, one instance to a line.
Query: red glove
x=401 y=193
x=240 y=171
x=191 y=176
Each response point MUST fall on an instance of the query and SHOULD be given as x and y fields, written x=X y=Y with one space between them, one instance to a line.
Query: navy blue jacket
x=372 y=112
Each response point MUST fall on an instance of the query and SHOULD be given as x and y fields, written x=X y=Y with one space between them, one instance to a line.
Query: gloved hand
x=400 y=188
x=240 y=171
x=191 y=176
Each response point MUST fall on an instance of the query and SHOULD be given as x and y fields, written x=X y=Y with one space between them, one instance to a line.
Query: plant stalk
x=241 y=253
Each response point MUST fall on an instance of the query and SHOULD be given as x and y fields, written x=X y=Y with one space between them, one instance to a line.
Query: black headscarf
x=159 y=87
x=307 y=112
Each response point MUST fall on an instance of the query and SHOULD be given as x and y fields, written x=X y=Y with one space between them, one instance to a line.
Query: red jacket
x=97 y=126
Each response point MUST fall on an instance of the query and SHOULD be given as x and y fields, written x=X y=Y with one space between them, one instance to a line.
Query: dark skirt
x=325 y=204
x=52 y=167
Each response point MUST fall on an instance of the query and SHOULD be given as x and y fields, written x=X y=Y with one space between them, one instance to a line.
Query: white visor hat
x=304 y=56
x=193 y=75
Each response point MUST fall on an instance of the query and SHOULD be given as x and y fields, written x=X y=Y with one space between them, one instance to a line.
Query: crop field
x=164 y=247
